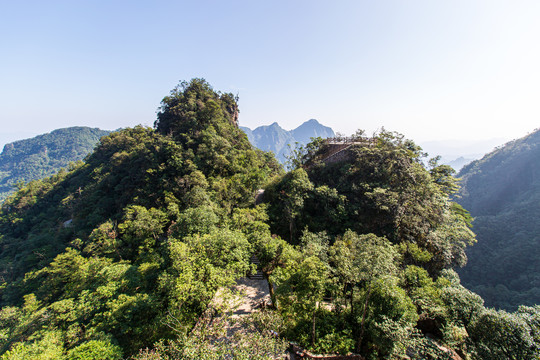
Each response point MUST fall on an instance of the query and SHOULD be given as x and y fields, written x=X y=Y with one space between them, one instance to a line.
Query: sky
x=431 y=70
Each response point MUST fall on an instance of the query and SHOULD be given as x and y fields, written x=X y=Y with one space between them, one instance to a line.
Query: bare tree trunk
x=289 y=213
x=352 y=303
x=271 y=290
x=313 y=325
x=362 y=324
x=291 y=227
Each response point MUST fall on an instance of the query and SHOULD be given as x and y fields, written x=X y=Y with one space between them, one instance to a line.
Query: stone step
x=257 y=276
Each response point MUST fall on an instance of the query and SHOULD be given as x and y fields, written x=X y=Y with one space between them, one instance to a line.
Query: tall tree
x=361 y=260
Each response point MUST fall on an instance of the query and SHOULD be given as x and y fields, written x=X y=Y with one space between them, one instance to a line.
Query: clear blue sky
x=428 y=69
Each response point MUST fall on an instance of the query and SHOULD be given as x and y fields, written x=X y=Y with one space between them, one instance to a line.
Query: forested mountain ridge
x=502 y=192
x=44 y=155
x=131 y=253
x=279 y=141
x=100 y=258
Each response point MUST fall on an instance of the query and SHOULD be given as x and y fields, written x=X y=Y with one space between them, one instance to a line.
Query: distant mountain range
x=456 y=153
x=502 y=192
x=44 y=155
x=276 y=139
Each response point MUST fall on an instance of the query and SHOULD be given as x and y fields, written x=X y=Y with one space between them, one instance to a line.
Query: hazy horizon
x=449 y=149
x=429 y=70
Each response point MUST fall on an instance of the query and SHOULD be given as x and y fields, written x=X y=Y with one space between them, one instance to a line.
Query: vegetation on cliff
x=122 y=255
x=104 y=253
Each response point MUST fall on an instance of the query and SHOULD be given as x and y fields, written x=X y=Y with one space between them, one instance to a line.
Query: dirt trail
x=253 y=294
x=247 y=296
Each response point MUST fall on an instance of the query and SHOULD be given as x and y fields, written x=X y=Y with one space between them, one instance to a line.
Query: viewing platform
x=338 y=148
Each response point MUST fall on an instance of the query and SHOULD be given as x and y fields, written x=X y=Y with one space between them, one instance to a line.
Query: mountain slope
x=276 y=139
x=134 y=252
x=502 y=192
x=44 y=155
x=107 y=254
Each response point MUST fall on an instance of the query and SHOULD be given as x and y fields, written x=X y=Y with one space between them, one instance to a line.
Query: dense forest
x=502 y=192
x=122 y=255
x=44 y=155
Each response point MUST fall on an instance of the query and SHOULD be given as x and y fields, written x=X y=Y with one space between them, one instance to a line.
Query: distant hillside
x=44 y=155
x=276 y=139
x=502 y=192
x=458 y=163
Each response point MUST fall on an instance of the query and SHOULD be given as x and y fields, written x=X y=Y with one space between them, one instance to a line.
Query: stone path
x=253 y=292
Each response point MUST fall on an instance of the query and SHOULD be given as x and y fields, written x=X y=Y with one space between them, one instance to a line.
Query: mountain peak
x=273 y=125
x=311 y=128
x=274 y=138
